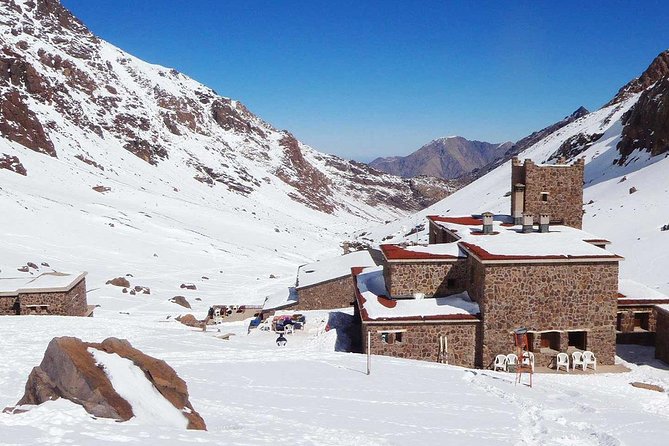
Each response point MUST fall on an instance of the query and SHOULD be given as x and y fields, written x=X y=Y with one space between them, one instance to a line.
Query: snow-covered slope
x=187 y=183
x=631 y=218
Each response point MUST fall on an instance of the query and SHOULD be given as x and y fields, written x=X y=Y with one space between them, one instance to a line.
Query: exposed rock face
x=69 y=371
x=658 y=69
x=527 y=142
x=646 y=124
x=450 y=157
x=574 y=146
x=51 y=65
x=12 y=163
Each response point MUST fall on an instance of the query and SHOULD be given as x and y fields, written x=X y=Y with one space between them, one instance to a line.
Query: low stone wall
x=421 y=341
x=431 y=278
x=662 y=335
x=337 y=293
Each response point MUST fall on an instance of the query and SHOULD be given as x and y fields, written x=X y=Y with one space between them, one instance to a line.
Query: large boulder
x=119 y=281
x=68 y=370
x=180 y=300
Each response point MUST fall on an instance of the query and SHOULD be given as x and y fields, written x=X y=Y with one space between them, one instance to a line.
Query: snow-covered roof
x=44 y=283
x=376 y=306
x=282 y=299
x=441 y=251
x=630 y=292
x=333 y=268
x=508 y=242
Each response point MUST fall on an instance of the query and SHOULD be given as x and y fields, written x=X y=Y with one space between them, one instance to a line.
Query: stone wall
x=70 y=303
x=564 y=185
x=421 y=341
x=627 y=334
x=541 y=297
x=7 y=305
x=337 y=293
x=662 y=336
x=431 y=278
x=439 y=235
x=626 y=316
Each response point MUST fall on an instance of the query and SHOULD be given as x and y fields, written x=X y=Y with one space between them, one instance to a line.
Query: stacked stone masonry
x=336 y=293
x=563 y=185
x=421 y=341
x=548 y=297
x=431 y=278
x=662 y=336
x=68 y=303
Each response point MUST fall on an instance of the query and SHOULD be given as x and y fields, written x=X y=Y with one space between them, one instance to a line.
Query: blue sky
x=363 y=79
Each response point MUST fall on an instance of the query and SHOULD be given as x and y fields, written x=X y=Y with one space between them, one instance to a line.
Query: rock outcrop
x=68 y=370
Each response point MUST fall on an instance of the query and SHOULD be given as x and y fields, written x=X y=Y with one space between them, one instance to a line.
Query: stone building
x=555 y=190
x=556 y=281
x=48 y=294
x=662 y=333
x=535 y=269
x=327 y=284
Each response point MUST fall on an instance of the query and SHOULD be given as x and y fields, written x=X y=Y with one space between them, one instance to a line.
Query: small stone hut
x=53 y=293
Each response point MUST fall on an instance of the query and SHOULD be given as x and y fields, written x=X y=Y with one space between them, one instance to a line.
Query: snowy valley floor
x=251 y=392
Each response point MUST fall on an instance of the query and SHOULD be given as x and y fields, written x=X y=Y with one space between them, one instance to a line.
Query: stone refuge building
x=557 y=281
x=53 y=293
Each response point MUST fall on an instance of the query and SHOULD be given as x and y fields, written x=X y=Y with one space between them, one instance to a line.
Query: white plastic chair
x=511 y=360
x=589 y=359
x=577 y=359
x=528 y=359
x=288 y=329
x=562 y=360
x=500 y=363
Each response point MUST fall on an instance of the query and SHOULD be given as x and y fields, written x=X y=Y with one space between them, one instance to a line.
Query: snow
x=511 y=241
x=281 y=299
x=129 y=381
x=635 y=290
x=251 y=392
x=440 y=249
x=332 y=268
x=371 y=286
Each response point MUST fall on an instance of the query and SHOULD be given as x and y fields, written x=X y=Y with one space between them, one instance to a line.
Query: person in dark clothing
x=281 y=340
x=210 y=316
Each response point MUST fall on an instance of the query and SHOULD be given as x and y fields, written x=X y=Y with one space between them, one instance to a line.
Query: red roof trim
x=485 y=255
x=627 y=301
x=396 y=252
x=467 y=221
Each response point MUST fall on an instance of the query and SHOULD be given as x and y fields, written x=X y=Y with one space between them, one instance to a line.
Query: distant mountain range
x=457 y=157
x=449 y=157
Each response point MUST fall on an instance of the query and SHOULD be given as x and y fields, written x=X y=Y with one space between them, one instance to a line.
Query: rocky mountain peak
x=657 y=69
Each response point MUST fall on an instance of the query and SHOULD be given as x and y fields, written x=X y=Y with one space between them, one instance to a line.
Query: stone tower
x=555 y=190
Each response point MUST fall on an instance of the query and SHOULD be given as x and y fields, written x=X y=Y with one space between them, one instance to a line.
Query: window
x=641 y=321
x=392 y=337
x=550 y=340
x=578 y=340
x=544 y=196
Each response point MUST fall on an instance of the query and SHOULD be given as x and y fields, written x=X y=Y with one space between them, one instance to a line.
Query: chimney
x=487 y=222
x=517 y=203
x=528 y=222
x=544 y=220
